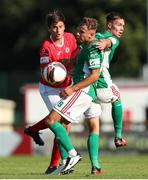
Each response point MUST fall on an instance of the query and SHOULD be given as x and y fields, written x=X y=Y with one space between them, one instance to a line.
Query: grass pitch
x=114 y=167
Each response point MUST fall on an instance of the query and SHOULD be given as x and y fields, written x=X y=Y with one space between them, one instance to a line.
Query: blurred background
x=23 y=28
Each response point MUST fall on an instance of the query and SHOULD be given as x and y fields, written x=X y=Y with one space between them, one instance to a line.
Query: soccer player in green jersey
x=86 y=72
x=107 y=91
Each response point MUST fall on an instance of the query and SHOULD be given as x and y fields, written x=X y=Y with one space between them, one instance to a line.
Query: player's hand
x=66 y=92
x=66 y=62
x=103 y=44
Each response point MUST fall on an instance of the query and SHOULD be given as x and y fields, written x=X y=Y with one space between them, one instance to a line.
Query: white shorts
x=93 y=111
x=49 y=95
x=108 y=95
x=73 y=107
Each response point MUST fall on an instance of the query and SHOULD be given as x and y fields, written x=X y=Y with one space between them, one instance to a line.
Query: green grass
x=114 y=167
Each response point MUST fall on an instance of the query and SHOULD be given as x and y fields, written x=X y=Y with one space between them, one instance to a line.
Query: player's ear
x=64 y=27
x=49 y=30
x=109 y=25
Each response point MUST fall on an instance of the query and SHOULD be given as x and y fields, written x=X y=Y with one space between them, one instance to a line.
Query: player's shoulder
x=46 y=43
x=99 y=35
x=93 y=48
x=68 y=35
x=114 y=40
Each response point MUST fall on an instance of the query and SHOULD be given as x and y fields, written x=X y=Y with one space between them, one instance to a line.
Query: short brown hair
x=55 y=17
x=91 y=23
x=113 y=16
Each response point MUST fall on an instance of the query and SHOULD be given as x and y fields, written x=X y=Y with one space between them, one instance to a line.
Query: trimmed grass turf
x=114 y=167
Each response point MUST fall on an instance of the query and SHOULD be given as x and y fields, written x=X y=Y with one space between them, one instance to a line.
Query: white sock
x=63 y=161
x=72 y=153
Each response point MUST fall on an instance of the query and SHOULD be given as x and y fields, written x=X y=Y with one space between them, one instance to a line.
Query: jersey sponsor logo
x=44 y=60
x=59 y=53
x=43 y=52
x=95 y=62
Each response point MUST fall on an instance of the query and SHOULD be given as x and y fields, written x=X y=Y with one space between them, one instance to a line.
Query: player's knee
x=66 y=124
x=93 y=125
x=52 y=118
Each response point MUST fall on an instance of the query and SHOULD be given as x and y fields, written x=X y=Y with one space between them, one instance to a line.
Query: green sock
x=61 y=136
x=63 y=152
x=117 y=118
x=93 y=148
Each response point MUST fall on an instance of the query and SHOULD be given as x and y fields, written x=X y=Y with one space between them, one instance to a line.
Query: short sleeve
x=94 y=60
x=114 y=41
x=44 y=56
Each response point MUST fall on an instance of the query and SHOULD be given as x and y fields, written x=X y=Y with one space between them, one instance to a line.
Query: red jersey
x=50 y=52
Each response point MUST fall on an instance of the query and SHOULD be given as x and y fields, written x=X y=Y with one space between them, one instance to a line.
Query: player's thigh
x=93 y=111
x=108 y=95
x=92 y=116
x=104 y=95
x=93 y=125
x=49 y=95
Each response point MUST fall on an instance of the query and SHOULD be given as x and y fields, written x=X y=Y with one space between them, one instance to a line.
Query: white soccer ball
x=54 y=73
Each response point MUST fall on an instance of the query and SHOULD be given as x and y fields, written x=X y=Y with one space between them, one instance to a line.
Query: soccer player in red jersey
x=59 y=46
x=80 y=100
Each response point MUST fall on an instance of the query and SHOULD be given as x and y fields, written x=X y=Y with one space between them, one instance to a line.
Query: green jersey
x=86 y=61
x=105 y=80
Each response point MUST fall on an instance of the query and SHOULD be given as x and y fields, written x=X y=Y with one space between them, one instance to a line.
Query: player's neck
x=57 y=42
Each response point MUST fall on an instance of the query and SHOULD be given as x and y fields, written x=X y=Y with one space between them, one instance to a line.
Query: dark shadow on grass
x=21 y=174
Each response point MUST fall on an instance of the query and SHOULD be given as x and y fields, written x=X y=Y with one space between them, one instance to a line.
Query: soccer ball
x=54 y=73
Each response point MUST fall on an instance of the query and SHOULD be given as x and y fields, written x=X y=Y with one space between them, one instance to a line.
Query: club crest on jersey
x=67 y=50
